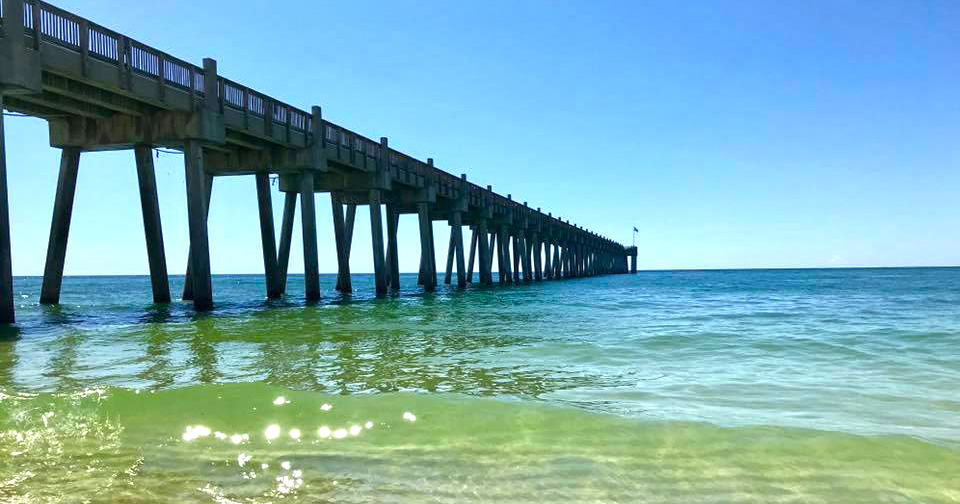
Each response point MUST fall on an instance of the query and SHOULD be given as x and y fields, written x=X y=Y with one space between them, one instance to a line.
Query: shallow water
x=719 y=386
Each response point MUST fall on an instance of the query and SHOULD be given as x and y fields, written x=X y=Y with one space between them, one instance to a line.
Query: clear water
x=715 y=386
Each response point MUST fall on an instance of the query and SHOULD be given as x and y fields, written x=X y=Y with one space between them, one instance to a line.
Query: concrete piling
x=427 y=261
x=448 y=272
x=187 y=294
x=268 y=240
x=457 y=233
x=286 y=236
x=483 y=252
x=7 y=315
x=376 y=228
x=473 y=250
x=60 y=226
x=152 y=229
x=393 y=255
x=344 y=283
x=308 y=221
x=197 y=207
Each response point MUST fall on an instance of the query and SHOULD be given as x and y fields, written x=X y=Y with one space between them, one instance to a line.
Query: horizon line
x=665 y=270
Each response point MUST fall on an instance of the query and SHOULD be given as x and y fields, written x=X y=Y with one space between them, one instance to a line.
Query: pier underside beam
x=308 y=221
x=286 y=236
x=152 y=229
x=60 y=226
x=7 y=315
x=197 y=208
x=268 y=238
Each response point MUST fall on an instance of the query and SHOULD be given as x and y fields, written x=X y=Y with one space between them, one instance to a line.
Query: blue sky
x=732 y=134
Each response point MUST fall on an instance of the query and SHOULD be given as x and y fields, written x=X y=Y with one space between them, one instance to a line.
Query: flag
x=635 y=230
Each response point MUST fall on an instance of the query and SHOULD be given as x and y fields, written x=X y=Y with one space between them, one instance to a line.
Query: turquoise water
x=839 y=385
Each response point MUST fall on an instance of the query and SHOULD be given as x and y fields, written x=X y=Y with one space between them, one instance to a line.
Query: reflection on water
x=411 y=342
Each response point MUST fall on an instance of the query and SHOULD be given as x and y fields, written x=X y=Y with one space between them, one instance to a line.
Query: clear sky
x=731 y=134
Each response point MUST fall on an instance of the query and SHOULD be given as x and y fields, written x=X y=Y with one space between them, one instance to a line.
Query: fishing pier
x=101 y=90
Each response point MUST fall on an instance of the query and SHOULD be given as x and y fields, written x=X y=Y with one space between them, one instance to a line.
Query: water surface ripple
x=692 y=386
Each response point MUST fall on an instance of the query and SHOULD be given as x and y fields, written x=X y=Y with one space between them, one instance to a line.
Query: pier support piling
x=448 y=272
x=493 y=249
x=344 y=283
x=197 y=208
x=536 y=248
x=7 y=315
x=268 y=238
x=517 y=258
x=393 y=255
x=152 y=229
x=286 y=236
x=547 y=265
x=483 y=252
x=376 y=230
x=428 y=265
x=188 y=277
x=501 y=261
x=308 y=221
x=60 y=226
x=457 y=231
x=473 y=252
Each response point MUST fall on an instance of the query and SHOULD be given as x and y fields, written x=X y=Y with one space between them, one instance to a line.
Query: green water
x=750 y=386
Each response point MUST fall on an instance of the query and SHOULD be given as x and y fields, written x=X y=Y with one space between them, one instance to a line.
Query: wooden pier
x=101 y=90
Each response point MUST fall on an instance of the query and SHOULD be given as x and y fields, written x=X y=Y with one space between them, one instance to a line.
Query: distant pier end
x=101 y=90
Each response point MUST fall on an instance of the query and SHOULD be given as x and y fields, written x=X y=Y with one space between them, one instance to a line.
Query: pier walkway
x=101 y=90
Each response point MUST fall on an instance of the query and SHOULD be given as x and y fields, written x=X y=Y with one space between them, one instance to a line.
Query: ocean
x=831 y=385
